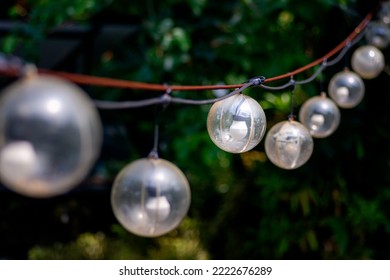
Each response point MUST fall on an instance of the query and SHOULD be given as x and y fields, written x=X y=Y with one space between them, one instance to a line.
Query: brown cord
x=109 y=82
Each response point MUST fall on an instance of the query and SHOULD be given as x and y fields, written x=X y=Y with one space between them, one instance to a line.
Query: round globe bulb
x=384 y=12
x=288 y=144
x=378 y=34
x=320 y=115
x=236 y=124
x=368 y=61
x=347 y=89
x=150 y=197
x=50 y=136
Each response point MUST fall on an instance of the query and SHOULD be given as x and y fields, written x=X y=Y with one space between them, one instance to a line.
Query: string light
x=81 y=79
x=320 y=115
x=288 y=144
x=150 y=197
x=236 y=124
x=353 y=38
x=231 y=128
x=347 y=89
x=378 y=34
x=368 y=61
x=384 y=12
x=50 y=136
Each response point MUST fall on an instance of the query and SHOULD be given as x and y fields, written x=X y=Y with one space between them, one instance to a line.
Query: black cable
x=165 y=99
x=10 y=62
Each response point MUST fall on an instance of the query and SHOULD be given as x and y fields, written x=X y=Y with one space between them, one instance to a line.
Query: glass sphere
x=236 y=124
x=378 y=34
x=288 y=144
x=384 y=12
x=150 y=197
x=347 y=89
x=50 y=136
x=368 y=61
x=320 y=115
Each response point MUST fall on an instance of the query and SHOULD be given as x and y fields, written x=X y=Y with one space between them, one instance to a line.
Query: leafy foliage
x=243 y=207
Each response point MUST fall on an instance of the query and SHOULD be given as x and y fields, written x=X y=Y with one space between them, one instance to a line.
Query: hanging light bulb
x=378 y=34
x=320 y=115
x=288 y=144
x=236 y=124
x=384 y=12
x=150 y=197
x=50 y=136
x=347 y=89
x=368 y=61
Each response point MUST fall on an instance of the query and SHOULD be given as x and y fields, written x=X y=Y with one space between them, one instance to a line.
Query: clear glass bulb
x=236 y=124
x=368 y=61
x=288 y=144
x=320 y=115
x=378 y=34
x=50 y=136
x=384 y=12
x=347 y=89
x=150 y=197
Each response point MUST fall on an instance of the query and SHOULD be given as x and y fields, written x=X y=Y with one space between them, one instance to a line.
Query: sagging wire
x=13 y=66
x=325 y=64
x=166 y=99
x=259 y=81
x=256 y=81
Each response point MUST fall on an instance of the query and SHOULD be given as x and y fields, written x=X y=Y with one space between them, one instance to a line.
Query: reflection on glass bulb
x=136 y=214
x=288 y=144
x=53 y=106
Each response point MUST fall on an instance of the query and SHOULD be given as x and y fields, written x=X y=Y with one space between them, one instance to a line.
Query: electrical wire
x=165 y=99
x=358 y=30
x=322 y=67
x=11 y=66
x=258 y=81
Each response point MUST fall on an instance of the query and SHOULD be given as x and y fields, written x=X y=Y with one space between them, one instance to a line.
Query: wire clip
x=256 y=81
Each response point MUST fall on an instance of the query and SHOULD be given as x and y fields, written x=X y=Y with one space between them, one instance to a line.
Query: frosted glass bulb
x=236 y=124
x=368 y=61
x=150 y=197
x=288 y=144
x=347 y=89
x=320 y=115
x=378 y=34
x=50 y=136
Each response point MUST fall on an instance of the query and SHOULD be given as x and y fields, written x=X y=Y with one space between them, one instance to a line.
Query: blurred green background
x=337 y=206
